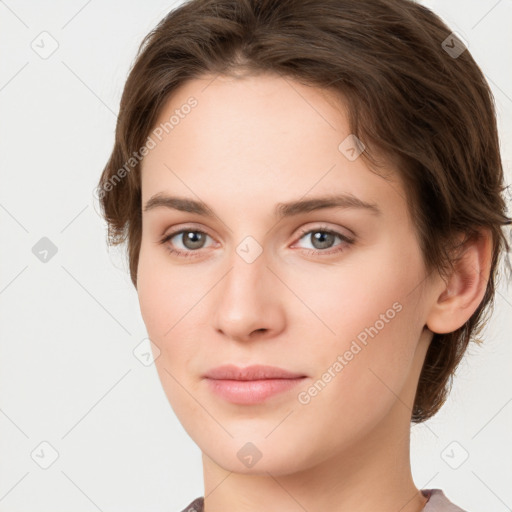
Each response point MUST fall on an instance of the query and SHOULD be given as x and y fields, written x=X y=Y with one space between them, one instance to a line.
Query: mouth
x=250 y=385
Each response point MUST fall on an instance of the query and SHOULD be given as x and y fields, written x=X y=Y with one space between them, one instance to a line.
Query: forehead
x=265 y=137
x=253 y=110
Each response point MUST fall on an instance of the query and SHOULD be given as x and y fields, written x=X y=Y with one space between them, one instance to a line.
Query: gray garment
x=437 y=502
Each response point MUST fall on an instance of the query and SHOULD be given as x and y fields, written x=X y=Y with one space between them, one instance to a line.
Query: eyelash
x=312 y=252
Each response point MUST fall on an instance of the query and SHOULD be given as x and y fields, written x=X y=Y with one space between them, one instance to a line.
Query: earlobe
x=457 y=297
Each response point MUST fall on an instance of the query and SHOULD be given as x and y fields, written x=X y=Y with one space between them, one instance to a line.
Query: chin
x=255 y=455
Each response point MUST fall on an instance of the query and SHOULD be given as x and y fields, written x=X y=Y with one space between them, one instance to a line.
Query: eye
x=191 y=240
x=322 y=238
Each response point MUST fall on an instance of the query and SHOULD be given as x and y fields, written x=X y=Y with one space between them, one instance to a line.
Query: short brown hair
x=406 y=96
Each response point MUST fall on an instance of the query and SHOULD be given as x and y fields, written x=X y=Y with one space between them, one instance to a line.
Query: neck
x=373 y=474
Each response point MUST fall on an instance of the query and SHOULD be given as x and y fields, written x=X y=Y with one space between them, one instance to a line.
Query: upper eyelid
x=323 y=227
x=173 y=232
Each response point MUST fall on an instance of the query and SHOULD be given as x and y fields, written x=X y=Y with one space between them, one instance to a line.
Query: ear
x=459 y=295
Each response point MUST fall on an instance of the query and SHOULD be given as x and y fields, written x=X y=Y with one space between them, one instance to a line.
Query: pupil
x=189 y=239
x=323 y=238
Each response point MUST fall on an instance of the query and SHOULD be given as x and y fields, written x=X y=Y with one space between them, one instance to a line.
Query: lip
x=253 y=372
x=252 y=384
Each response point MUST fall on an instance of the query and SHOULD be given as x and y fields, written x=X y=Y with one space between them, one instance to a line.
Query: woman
x=311 y=196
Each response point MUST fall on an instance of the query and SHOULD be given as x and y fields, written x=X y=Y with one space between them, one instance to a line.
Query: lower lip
x=251 y=391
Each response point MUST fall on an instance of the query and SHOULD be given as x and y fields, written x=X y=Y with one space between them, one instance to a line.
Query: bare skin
x=249 y=144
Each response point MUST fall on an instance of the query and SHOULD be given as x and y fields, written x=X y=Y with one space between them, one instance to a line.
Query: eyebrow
x=281 y=210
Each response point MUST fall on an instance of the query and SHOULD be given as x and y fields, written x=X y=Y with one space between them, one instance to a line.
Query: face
x=335 y=294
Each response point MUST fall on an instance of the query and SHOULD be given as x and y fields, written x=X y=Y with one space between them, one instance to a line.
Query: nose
x=248 y=301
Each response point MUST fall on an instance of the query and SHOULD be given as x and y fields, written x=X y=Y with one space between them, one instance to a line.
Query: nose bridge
x=244 y=300
x=246 y=279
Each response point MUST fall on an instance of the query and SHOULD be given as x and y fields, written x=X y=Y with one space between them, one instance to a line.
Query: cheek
x=370 y=324
x=164 y=291
x=369 y=293
x=170 y=300
x=357 y=378
x=154 y=299
x=165 y=297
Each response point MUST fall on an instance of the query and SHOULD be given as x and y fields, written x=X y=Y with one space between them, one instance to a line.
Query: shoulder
x=438 y=502
x=195 y=506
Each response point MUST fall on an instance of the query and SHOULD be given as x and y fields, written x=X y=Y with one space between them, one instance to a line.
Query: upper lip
x=254 y=372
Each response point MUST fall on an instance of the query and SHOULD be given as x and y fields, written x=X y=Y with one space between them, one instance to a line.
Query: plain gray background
x=70 y=325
